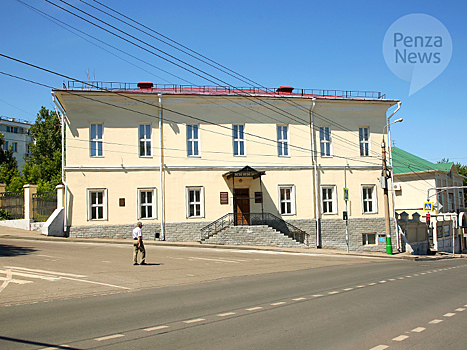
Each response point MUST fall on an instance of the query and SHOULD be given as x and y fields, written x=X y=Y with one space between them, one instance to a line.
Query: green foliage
x=8 y=165
x=4 y=215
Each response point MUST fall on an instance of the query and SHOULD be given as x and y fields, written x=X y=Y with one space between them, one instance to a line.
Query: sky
x=335 y=45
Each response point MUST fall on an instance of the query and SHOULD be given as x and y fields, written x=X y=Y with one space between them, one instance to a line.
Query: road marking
x=400 y=278
x=360 y=286
x=335 y=292
x=216 y=260
x=14 y=281
x=371 y=284
x=109 y=337
x=47 y=278
x=317 y=295
x=347 y=289
x=435 y=321
x=382 y=281
x=460 y=309
x=226 y=314
x=400 y=338
x=99 y=283
x=279 y=303
x=55 y=348
x=155 y=328
x=418 y=329
x=47 y=272
x=298 y=299
x=254 y=308
x=194 y=320
x=380 y=347
x=449 y=314
x=392 y=279
x=408 y=276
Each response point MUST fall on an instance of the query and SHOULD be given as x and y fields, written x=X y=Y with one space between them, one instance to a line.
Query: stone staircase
x=260 y=235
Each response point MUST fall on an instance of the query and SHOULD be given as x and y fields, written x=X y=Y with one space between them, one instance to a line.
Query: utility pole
x=384 y=185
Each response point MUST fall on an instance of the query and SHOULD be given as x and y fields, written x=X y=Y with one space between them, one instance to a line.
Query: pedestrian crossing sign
x=428 y=206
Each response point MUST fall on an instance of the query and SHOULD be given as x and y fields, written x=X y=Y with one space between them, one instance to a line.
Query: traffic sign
x=346 y=194
x=428 y=206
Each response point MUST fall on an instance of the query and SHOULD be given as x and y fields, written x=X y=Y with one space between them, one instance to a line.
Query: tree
x=44 y=164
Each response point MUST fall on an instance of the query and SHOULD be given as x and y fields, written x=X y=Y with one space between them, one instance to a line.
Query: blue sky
x=304 y=44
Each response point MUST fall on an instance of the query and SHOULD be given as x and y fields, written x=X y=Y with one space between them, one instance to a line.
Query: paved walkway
x=14 y=233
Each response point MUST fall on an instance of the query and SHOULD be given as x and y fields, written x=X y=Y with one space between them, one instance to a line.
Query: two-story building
x=180 y=158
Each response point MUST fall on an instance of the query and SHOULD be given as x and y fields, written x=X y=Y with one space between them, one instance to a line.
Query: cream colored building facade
x=307 y=147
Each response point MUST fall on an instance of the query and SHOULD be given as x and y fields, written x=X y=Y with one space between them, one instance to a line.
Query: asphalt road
x=89 y=296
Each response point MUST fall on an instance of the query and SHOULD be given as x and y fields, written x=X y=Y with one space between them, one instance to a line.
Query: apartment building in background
x=16 y=134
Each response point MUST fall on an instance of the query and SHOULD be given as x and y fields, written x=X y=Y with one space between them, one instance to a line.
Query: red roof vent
x=145 y=85
x=288 y=89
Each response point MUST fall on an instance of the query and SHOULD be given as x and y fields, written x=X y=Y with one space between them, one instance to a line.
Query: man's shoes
x=143 y=263
x=135 y=263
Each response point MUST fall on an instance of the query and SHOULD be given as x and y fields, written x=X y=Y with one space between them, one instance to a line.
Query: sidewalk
x=14 y=233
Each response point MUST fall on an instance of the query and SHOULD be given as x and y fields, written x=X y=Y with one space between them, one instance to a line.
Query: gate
x=43 y=205
x=13 y=204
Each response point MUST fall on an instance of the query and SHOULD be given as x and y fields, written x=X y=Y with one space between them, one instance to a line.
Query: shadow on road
x=30 y=342
x=12 y=250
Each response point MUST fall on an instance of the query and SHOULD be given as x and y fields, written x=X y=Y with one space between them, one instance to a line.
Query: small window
x=195 y=202
x=369 y=239
x=364 y=138
x=325 y=140
x=145 y=141
x=238 y=139
x=147 y=206
x=287 y=199
x=328 y=200
x=5 y=146
x=192 y=139
x=282 y=140
x=97 y=204
x=15 y=146
x=97 y=140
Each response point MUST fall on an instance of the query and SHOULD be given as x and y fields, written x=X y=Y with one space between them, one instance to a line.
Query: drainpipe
x=398 y=243
x=161 y=168
x=65 y=204
x=315 y=175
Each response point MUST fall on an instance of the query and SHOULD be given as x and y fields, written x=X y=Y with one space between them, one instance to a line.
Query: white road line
x=418 y=329
x=194 y=320
x=279 y=303
x=460 y=309
x=254 y=308
x=55 y=348
x=408 y=276
x=334 y=292
x=114 y=336
x=317 y=295
x=216 y=260
x=380 y=347
x=298 y=299
x=449 y=314
x=382 y=281
x=360 y=286
x=347 y=289
x=45 y=271
x=435 y=321
x=155 y=328
x=400 y=338
x=99 y=283
x=14 y=281
x=226 y=314
x=371 y=284
x=392 y=279
x=29 y=275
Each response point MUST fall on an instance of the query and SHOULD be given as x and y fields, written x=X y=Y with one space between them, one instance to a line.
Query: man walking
x=138 y=244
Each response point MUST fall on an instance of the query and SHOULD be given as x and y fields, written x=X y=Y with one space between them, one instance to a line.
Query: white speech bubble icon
x=417 y=48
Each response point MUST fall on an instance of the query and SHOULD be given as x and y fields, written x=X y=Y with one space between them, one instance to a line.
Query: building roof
x=404 y=162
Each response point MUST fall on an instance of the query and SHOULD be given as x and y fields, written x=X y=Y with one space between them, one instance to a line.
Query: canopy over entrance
x=244 y=172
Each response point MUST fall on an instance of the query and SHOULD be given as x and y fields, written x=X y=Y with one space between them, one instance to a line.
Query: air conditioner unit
x=397 y=186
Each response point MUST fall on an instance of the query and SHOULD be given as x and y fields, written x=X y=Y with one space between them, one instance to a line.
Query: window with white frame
x=328 y=200
x=368 y=199
x=369 y=239
x=195 y=202
x=282 y=140
x=364 y=139
x=145 y=140
x=192 y=139
x=325 y=140
x=97 y=140
x=147 y=203
x=97 y=204
x=238 y=139
x=287 y=199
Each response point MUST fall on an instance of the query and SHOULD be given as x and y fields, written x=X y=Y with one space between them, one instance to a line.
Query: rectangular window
x=15 y=146
x=97 y=140
x=287 y=200
x=364 y=138
x=325 y=140
x=145 y=143
x=282 y=140
x=238 y=139
x=97 y=204
x=192 y=139
x=328 y=200
x=147 y=206
x=368 y=199
x=195 y=202
x=5 y=146
x=369 y=239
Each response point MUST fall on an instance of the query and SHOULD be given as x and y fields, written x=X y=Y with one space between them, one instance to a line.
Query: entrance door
x=242 y=205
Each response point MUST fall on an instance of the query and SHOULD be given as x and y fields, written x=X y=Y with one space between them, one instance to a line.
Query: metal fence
x=43 y=205
x=13 y=204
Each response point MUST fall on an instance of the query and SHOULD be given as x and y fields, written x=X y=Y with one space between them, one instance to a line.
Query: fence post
x=2 y=200
x=29 y=190
x=60 y=195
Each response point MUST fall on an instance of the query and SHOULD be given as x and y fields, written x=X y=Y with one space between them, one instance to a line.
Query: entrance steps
x=260 y=235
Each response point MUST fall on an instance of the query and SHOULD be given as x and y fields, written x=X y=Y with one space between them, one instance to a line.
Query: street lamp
x=385 y=174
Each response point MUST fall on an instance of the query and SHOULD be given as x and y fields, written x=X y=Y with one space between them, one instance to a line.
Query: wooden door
x=242 y=205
